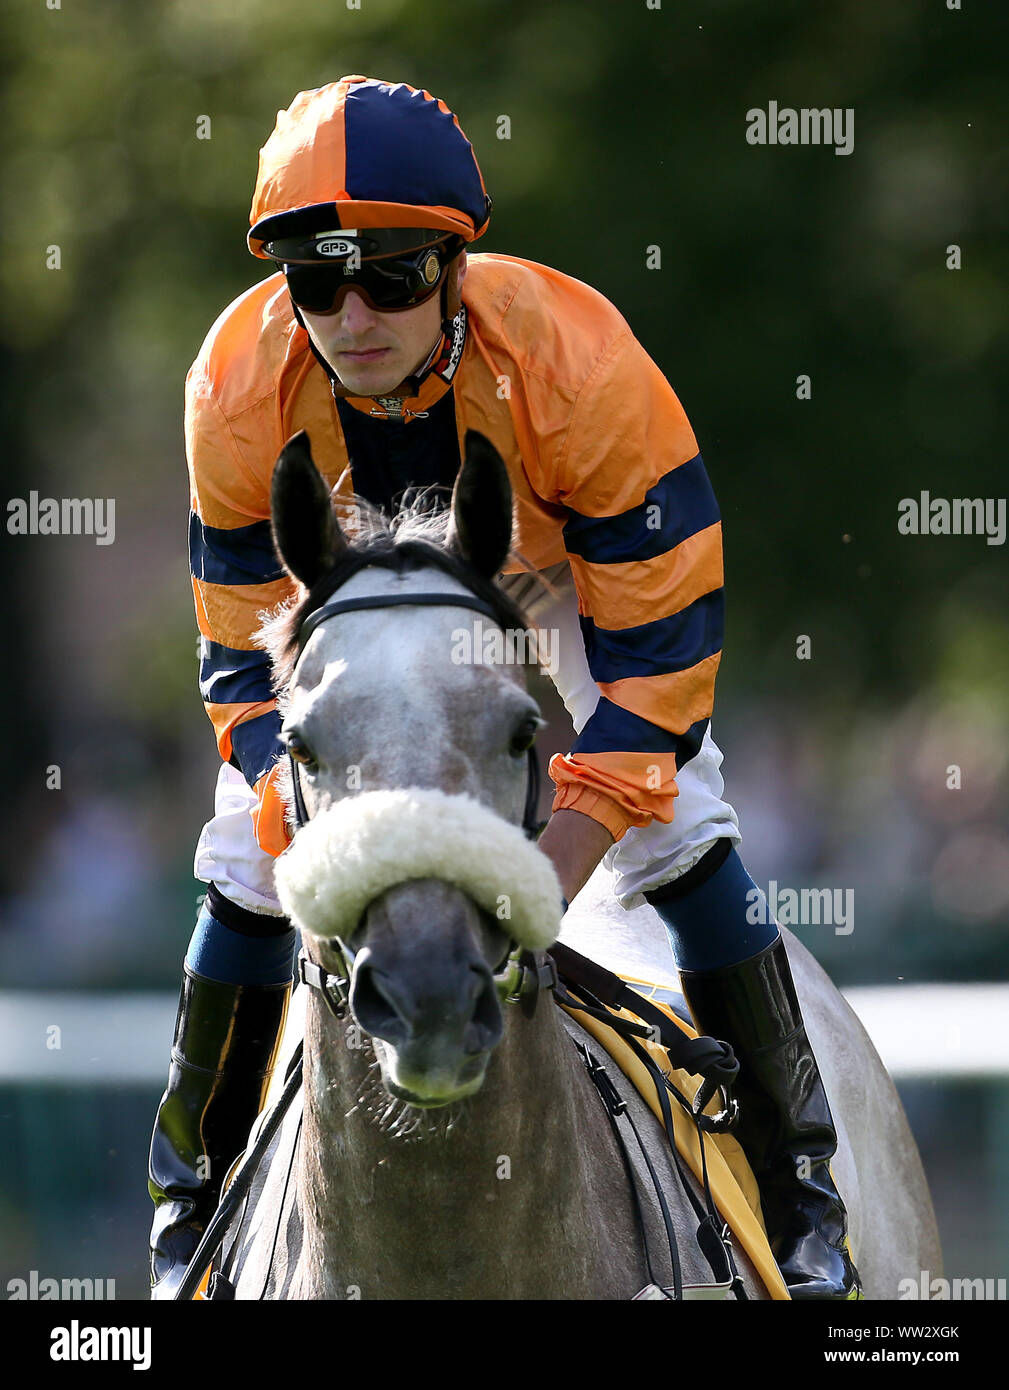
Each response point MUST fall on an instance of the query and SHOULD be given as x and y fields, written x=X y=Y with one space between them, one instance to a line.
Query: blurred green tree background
x=627 y=133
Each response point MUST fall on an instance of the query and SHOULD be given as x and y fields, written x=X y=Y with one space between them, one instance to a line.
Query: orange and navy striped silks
x=377 y=154
x=605 y=471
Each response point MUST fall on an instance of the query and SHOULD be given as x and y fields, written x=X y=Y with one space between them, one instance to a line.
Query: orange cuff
x=612 y=788
x=269 y=815
x=573 y=797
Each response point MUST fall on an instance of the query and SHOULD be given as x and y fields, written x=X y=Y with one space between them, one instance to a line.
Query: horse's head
x=408 y=728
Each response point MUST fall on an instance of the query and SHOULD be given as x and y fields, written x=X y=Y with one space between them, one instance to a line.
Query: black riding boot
x=226 y=1042
x=785 y=1127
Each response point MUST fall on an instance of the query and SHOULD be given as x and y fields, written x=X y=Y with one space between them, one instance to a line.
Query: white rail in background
x=115 y=1039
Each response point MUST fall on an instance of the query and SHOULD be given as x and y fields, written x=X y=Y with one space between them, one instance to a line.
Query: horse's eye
x=300 y=751
x=525 y=735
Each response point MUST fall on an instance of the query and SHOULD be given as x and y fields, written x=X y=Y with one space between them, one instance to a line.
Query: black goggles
x=390 y=271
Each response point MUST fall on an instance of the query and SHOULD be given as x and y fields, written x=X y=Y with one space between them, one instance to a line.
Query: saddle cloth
x=730 y=1177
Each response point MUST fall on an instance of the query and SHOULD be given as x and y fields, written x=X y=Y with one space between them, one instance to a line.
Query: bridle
x=524 y=973
x=530 y=823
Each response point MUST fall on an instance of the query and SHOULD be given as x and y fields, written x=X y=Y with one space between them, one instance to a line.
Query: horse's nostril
x=484 y=1028
x=373 y=1008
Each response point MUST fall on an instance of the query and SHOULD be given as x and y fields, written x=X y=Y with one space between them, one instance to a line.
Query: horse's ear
x=480 y=527
x=306 y=533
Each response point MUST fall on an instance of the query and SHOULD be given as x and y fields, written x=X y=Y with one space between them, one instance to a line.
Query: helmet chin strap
x=410 y=385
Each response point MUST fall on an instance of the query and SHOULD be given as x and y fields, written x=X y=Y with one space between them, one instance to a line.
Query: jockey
x=384 y=339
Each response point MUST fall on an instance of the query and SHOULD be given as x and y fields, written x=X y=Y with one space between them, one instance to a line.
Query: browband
x=347 y=605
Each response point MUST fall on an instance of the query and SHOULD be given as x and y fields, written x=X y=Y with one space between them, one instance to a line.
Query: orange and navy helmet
x=363 y=153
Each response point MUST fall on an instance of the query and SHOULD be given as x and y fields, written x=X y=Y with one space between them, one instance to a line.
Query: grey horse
x=446 y=1145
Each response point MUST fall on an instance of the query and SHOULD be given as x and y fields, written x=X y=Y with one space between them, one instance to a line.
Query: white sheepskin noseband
x=349 y=855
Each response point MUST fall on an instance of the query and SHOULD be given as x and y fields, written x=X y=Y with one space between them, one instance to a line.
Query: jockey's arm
x=235 y=575
x=575 y=843
x=643 y=537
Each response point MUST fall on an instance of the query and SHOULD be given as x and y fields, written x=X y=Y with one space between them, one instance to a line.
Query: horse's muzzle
x=423 y=989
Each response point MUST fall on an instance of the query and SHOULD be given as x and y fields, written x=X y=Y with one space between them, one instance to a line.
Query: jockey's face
x=372 y=352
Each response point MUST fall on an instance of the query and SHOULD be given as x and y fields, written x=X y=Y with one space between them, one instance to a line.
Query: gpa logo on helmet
x=431 y=268
x=336 y=246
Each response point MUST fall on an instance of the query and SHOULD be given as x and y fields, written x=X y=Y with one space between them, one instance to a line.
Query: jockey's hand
x=575 y=843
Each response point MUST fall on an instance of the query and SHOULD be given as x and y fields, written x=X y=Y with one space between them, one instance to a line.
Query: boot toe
x=812 y=1269
x=174 y=1239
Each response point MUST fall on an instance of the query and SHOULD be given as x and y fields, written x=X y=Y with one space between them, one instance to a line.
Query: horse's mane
x=414 y=537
